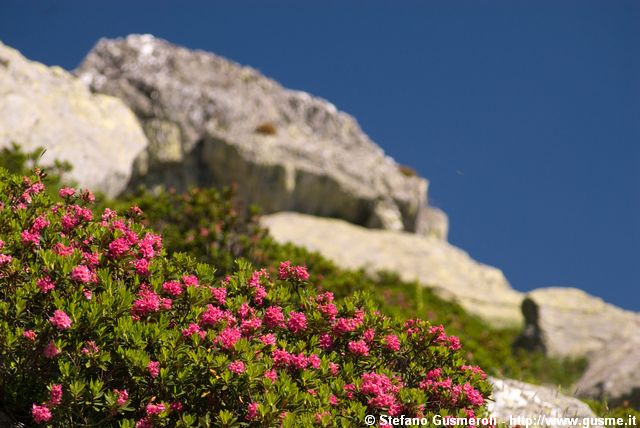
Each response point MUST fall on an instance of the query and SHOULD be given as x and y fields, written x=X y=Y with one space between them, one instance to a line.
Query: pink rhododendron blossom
x=40 y=413
x=122 y=397
x=271 y=375
x=236 y=367
x=55 y=395
x=153 y=368
x=66 y=192
x=147 y=302
x=60 y=320
x=326 y=341
x=334 y=369
x=46 y=284
x=119 y=247
x=190 y=281
x=88 y=294
x=368 y=335
x=176 y=406
x=30 y=238
x=252 y=411
x=315 y=361
x=273 y=317
x=154 y=409
x=228 y=337
x=142 y=266
x=358 y=347
x=29 y=335
x=297 y=322
x=172 y=287
x=268 y=339
x=212 y=315
x=62 y=250
x=287 y=271
x=50 y=351
x=5 y=259
x=81 y=274
x=392 y=342
x=90 y=348
x=219 y=295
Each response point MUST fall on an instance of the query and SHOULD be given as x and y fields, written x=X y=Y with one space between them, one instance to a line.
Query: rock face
x=567 y=322
x=480 y=289
x=513 y=398
x=613 y=374
x=213 y=122
x=48 y=107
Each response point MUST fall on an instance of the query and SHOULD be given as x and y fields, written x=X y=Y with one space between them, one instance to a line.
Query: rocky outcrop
x=512 y=398
x=213 y=122
x=567 y=322
x=434 y=222
x=613 y=374
x=48 y=107
x=480 y=289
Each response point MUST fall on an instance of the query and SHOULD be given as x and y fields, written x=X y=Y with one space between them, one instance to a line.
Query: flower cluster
x=116 y=331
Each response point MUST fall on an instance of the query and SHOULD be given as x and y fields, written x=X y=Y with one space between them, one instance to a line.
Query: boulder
x=512 y=399
x=480 y=289
x=567 y=322
x=211 y=121
x=433 y=222
x=613 y=374
x=49 y=107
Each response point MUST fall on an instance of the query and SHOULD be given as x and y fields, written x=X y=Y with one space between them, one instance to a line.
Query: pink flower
x=87 y=294
x=329 y=310
x=475 y=370
x=192 y=329
x=454 y=343
x=81 y=274
x=358 y=347
x=122 y=397
x=119 y=247
x=46 y=284
x=190 y=281
x=268 y=339
x=368 y=335
x=51 y=350
x=154 y=409
x=90 y=348
x=5 y=259
x=147 y=302
x=228 y=338
x=236 y=367
x=298 y=273
x=29 y=335
x=326 y=341
x=212 y=315
x=219 y=295
x=40 y=413
x=315 y=361
x=271 y=375
x=273 y=317
x=29 y=237
x=60 y=320
x=334 y=369
x=172 y=287
x=252 y=411
x=297 y=322
x=333 y=400
x=176 y=406
x=38 y=224
x=55 y=395
x=66 y=192
x=142 y=266
x=281 y=358
x=392 y=342
x=299 y=361
x=62 y=250
x=153 y=368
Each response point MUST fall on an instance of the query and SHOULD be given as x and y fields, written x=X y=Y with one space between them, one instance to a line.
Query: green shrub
x=99 y=327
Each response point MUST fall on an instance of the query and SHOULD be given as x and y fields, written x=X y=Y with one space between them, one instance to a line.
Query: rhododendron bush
x=99 y=326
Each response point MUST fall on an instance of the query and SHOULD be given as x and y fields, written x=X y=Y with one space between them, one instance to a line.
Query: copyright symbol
x=369 y=420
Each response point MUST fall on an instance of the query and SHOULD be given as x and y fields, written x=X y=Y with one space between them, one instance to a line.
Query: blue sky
x=524 y=116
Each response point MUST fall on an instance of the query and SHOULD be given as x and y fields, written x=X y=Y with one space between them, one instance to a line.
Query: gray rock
x=567 y=322
x=480 y=289
x=433 y=222
x=613 y=374
x=213 y=122
x=512 y=398
x=48 y=107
